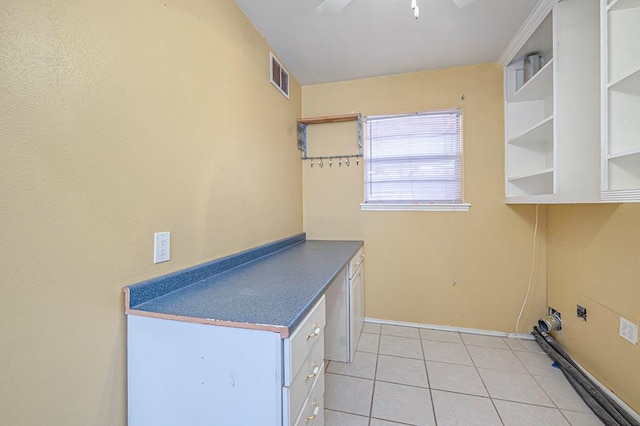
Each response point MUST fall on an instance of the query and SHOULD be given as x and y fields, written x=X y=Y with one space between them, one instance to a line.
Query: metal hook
x=312 y=163
x=347 y=162
x=357 y=161
x=340 y=162
x=330 y=162
x=321 y=165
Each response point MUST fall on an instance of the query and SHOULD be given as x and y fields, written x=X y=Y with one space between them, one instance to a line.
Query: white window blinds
x=414 y=158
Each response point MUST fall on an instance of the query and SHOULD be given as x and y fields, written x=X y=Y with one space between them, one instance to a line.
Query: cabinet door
x=336 y=337
x=182 y=373
x=357 y=308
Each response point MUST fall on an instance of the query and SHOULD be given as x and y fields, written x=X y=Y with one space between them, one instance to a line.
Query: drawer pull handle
x=314 y=372
x=316 y=331
x=316 y=410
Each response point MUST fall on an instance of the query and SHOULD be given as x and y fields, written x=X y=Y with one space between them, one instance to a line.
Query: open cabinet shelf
x=622 y=4
x=620 y=38
x=629 y=84
x=535 y=174
x=552 y=148
x=540 y=86
x=539 y=132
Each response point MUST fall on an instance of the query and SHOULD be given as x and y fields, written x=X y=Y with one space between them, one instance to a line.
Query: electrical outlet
x=629 y=331
x=161 y=247
x=581 y=312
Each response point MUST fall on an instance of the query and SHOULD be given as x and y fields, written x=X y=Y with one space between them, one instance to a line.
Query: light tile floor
x=410 y=376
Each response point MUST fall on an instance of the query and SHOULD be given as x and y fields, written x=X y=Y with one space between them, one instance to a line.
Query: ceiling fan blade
x=332 y=7
x=463 y=3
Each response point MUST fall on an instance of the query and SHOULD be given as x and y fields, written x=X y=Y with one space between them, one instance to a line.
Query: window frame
x=414 y=205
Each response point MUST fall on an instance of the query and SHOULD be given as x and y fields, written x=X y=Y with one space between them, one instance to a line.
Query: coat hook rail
x=329 y=157
x=319 y=160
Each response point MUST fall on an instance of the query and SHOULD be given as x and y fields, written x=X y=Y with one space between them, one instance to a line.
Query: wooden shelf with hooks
x=304 y=122
x=329 y=119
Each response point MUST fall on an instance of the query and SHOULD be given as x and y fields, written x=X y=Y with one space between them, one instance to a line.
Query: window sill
x=371 y=207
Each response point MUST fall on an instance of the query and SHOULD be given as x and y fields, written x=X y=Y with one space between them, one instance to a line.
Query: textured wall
x=593 y=261
x=412 y=257
x=117 y=120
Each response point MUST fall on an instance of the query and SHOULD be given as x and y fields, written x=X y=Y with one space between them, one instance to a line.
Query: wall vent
x=279 y=76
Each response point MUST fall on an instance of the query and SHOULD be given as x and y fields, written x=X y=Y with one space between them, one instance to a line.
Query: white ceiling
x=380 y=37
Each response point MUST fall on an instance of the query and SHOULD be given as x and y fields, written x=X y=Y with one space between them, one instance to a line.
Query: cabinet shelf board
x=625 y=154
x=536 y=174
x=539 y=87
x=538 y=133
x=329 y=119
x=629 y=83
x=622 y=4
x=533 y=199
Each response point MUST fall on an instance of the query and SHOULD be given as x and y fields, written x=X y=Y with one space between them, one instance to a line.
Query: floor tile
x=455 y=378
x=336 y=418
x=402 y=370
x=486 y=341
x=440 y=335
x=514 y=387
x=538 y=364
x=400 y=331
x=562 y=393
x=514 y=414
x=446 y=352
x=400 y=403
x=380 y=422
x=348 y=394
x=454 y=409
x=582 y=419
x=364 y=365
x=368 y=342
x=370 y=327
x=496 y=359
x=400 y=346
x=522 y=345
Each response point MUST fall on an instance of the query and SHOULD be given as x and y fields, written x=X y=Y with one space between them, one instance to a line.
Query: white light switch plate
x=629 y=331
x=161 y=247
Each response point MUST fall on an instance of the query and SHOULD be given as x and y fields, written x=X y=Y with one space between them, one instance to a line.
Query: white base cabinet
x=182 y=373
x=345 y=311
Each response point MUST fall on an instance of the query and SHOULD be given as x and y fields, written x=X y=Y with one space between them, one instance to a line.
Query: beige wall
x=117 y=120
x=412 y=256
x=594 y=253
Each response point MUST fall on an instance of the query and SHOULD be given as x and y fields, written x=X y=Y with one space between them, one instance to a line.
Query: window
x=414 y=162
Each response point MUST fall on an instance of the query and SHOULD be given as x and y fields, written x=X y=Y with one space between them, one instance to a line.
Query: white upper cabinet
x=552 y=120
x=620 y=47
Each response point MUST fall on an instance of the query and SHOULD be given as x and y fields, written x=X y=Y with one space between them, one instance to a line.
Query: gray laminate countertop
x=272 y=291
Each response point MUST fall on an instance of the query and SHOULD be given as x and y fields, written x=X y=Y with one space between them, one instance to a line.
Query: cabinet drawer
x=312 y=413
x=312 y=367
x=356 y=261
x=304 y=338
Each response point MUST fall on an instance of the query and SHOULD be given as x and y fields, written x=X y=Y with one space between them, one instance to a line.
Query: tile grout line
x=426 y=369
x=527 y=372
x=552 y=400
x=375 y=374
x=493 y=403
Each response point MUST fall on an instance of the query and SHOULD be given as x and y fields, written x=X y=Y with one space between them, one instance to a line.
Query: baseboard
x=604 y=389
x=610 y=394
x=450 y=328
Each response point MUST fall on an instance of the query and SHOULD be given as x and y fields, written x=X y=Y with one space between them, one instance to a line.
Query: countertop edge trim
x=283 y=331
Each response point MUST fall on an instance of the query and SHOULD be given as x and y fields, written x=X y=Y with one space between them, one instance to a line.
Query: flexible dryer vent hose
x=602 y=405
